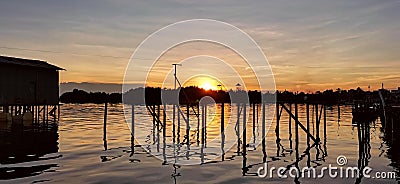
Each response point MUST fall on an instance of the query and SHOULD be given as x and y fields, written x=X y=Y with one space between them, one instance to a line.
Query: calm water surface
x=78 y=154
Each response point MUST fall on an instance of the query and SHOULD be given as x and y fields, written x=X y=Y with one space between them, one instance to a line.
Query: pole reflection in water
x=308 y=151
x=364 y=147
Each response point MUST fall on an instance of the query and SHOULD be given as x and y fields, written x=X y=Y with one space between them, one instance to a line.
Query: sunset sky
x=311 y=45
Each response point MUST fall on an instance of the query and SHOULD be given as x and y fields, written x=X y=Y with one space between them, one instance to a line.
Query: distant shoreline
x=192 y=95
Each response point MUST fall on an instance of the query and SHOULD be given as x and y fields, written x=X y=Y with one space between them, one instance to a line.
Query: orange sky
x=310 y=46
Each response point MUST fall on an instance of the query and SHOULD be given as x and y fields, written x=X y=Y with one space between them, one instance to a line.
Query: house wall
x=21 y=85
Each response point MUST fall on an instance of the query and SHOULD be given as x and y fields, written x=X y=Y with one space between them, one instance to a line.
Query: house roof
x=28 y=62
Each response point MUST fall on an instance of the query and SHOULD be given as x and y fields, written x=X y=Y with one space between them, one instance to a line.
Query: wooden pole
x=133 y=130
x=308 y=123
x=198 y=123
x=205 y=126
x=59 y=112
x=254 y=123
x=153 y=114
x=263 y=133
x=158 y=112
x=179 y=124
x=299 y=123
x=317 y=121
x=133 y=121
x=105 y=126
x=277 y=121
x=244 y=149
x=222 y=118
x=37 y=114
x=223 y=131
x=158 y=124
x=47 y=114
x=296 y=132
x=325 y=122
x=238 y=128
x=44 y=114
x=202 y=133
x=164 y=134
x=290 y=128
x=187 y=124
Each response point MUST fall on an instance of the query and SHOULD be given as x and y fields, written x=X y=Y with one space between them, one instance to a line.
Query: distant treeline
x=192 y=95
x=80 y=96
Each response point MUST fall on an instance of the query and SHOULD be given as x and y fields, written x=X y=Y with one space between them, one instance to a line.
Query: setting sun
x=205 y=82
x=207 y=86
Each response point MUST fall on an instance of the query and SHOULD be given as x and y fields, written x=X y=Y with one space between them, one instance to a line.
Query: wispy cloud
x=308 y=43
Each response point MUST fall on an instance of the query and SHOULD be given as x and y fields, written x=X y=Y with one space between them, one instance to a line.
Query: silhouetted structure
x=29 y=91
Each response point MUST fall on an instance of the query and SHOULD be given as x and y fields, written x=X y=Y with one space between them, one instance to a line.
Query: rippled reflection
x=85 y=159
x=23 y=150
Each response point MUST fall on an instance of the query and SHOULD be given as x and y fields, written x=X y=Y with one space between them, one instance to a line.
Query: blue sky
x=311 y=45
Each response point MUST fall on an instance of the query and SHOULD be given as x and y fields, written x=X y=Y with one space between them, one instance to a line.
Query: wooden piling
x=104 y=126
x=187 y=124
x=263 y=134
x=164 y=134
x=296 y=132
x=59 y=112
x=308 y=122
x=254 y=123
x=244 y=149
x=325 y=122
x=278 y=117
x=198 y=124
x=47 y=114
x=158 y=124
x=153 y=114
x=238 y=128
x=205 y=125
x=133 y=130
x=158 y=114
x=222 y=118
x=133 y=121
x=44 y=114
x=223 y=131
x=317 y=121
x=179 y=124
x=290 y=128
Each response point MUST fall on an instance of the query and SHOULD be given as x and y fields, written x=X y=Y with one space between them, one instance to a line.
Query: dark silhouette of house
x=28 y=86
